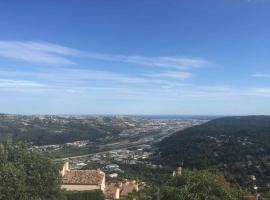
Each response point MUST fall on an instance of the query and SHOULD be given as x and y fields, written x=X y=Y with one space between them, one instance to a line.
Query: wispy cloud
x=18 y=83
x=160 y=61
x=261 y=91
x=261 y=75
x=103 y=83
x=171 y=74
x=37 y=52
x=80 y=76
x=173 y=92
x=83 y=80
x=54 y=54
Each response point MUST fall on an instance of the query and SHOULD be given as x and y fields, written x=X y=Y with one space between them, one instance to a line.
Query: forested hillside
x=42 y=130
x=238 y=146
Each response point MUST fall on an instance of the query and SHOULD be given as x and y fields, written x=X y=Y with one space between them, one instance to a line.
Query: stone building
x=82 y=180
x=112 y=192
x=128 y=187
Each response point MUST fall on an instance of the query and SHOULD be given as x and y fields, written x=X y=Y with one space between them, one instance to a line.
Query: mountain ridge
x=239 y=146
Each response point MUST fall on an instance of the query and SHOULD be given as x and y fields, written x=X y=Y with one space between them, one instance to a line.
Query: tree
x=191 y=185
x=148 y=193
x=199 y=185
x=27 y=175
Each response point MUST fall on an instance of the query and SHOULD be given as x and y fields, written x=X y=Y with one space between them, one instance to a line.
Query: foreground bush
x=27 y=175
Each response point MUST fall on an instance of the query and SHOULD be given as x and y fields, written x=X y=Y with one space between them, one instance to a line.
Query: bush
x=27 y=175
x=85 y=195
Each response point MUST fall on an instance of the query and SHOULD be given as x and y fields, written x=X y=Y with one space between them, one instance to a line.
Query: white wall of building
x=80 y=187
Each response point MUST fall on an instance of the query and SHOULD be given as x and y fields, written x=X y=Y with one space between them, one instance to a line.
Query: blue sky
x=135 y=57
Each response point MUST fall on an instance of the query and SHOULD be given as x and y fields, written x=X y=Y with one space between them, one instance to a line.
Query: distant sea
x=180 y=117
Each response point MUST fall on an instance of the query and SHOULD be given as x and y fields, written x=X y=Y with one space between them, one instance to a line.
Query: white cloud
x=160 y=61
x=15 y=84
x=171 y=74
x=54 y=54
x=161 y=90
x=102 y=83
x=80 y=76
x=261 y=75
x=37 y=52
x=260 y=91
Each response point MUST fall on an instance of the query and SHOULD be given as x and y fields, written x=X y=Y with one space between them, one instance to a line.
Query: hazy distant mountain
x=239 y=146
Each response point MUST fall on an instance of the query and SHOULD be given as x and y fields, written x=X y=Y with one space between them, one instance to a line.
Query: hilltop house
x=178 y=171
x=81 y=180
x=128 y=187
x=120 y=190
x=112 y=192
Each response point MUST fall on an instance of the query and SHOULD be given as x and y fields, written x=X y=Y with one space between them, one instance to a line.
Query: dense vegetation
x=238 y=146
x=191 y=185
x=26 y=175
x=29 y=175
x=86 y=195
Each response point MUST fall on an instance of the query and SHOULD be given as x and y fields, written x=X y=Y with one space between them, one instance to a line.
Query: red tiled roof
x=83 y=177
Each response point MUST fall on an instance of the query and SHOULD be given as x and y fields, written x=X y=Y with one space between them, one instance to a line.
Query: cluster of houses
x=124 y=156
x=85 y=180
